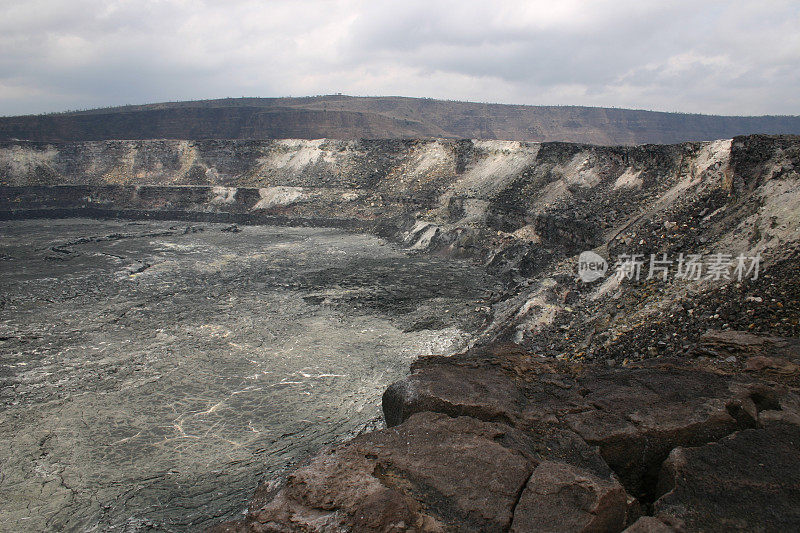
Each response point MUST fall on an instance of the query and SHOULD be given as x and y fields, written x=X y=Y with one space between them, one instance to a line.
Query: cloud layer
x=708 y=57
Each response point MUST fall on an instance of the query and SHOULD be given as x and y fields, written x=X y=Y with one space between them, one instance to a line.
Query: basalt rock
x=437 y=473
x=739 y=343
x=634 y=414
x=649 y=524
x=749 y=481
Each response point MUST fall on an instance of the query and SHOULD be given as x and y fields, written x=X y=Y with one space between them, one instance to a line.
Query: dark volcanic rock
x=649 y=524
x=749 y=481
x=636 y=414
x=739 y=343
x=559 y=497
x=436 y=473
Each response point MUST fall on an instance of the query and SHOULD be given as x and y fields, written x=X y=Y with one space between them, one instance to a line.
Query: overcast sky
x=699 y=56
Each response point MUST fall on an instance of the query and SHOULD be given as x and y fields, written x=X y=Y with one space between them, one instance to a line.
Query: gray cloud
x=710 y=57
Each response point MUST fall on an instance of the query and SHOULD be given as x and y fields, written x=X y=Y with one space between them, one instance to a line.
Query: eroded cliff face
x=524 y=210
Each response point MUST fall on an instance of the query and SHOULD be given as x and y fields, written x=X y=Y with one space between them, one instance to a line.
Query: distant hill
x=347 y=117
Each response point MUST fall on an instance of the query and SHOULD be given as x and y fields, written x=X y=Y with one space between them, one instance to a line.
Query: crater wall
x=524 y=210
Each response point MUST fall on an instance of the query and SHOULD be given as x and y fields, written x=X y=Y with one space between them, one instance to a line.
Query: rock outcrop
x=749 y=481
x=497 y=439
x=434 y=472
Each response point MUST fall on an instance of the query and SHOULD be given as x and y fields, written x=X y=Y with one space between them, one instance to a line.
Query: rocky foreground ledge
x=498 y=439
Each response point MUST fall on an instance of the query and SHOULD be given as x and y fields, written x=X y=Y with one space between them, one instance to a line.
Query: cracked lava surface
x=152 y=373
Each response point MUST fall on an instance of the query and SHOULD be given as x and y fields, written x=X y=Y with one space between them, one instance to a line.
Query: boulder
x=748 y=481
x=560 y=497
x=635 y=414
x=437 y=473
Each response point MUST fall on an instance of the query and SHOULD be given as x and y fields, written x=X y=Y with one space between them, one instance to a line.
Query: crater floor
x=151 y=373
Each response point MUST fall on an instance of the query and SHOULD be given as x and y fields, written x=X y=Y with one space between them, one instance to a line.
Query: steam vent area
x=389 y=335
